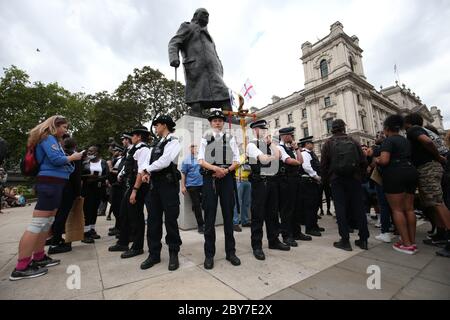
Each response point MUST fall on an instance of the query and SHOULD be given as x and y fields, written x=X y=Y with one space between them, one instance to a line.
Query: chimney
x=275 y=99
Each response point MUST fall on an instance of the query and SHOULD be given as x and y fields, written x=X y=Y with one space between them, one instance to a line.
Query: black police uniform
x=309 y=195
x=264 y=199
x=117 y=192
x=163 y=197
x=214 y=188
x=132 y=215
x=288 y=186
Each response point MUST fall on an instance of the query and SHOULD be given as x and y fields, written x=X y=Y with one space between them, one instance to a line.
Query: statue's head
x=201 y=16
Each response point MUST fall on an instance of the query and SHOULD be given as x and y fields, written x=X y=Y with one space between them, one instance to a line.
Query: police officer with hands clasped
x=219 y=157
x=264 y=157
x=310 y=191
x=291 y=160
x=132 y=227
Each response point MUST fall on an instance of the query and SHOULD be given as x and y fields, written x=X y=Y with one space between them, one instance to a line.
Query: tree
x=24 y=105
x=150 y=94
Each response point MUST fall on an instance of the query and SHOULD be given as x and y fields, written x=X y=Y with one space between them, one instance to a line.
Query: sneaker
x=404 y=249
x=237 y=228
x=46 y=262
x=32 y=271
x=246 y=225
x=384 y=237
x=444 y=252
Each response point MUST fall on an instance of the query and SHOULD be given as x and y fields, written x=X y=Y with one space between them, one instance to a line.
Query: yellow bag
x=376 y=176
x=75 y=222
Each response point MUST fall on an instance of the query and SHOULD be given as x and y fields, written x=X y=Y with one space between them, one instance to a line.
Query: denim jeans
x=244 y=193
x=385 y=209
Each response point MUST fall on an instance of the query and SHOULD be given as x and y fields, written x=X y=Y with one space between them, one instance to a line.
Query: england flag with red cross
x=248 y=92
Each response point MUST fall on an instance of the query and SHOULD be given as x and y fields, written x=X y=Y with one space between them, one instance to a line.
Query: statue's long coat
x=202 y=66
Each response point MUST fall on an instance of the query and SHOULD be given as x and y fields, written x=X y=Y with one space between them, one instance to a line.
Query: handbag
x=75 y=222
x=376 y=177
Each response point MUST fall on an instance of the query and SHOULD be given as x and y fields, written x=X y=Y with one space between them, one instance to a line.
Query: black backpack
x=344 y=157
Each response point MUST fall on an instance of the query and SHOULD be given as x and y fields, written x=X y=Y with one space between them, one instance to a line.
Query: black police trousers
x=196 y=198
x=309 y=195
x=163 y=198
x=348 y=202
x=288 y=188
x=68 y=198
x=264 y=208
x=212 y=190
x=132 y=218
x=117 y=194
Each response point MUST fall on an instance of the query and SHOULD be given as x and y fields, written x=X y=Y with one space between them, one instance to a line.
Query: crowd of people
x=276 y=181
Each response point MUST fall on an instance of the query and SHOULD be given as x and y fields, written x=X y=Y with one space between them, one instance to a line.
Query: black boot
x=174 y=264
x=343 y=245
x=149 y=262
x=362 y=244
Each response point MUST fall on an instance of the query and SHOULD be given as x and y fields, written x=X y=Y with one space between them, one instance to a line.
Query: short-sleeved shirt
x=399 y=149
x=419 y=155
x=191 y=169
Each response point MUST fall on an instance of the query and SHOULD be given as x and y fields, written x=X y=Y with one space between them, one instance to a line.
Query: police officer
x=264 y=157
x=291 y=159
x=121 y=180
x=132 y=206
x=219 y=157
x=164 y=178
x=310 y=191
x=117 y=187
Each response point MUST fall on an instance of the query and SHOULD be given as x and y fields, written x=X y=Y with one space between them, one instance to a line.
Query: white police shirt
x=307 y=158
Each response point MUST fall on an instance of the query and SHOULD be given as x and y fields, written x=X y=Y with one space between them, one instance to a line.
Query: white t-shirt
x=96 y=166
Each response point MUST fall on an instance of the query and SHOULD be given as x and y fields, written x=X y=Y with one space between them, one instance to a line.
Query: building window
x=358 y=98
x=328 y=123
x=290 y=118
x=324 y=68
x=363 y=122
x=304 y=113
x=327 y=101
x=305 y=132
x=352 y=65
x=277 y=122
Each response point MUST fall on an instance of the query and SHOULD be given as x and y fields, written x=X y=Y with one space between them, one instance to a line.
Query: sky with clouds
x=92 y=45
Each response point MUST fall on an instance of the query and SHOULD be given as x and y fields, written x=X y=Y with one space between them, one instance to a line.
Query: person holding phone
x=95 y=172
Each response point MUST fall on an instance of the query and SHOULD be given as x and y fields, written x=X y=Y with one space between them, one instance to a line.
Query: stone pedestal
x=190 y=130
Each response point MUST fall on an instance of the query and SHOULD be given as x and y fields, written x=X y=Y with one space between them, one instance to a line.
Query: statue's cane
x=175 y=90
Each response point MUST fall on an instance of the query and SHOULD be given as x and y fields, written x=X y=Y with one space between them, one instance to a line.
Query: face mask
x=90 y=157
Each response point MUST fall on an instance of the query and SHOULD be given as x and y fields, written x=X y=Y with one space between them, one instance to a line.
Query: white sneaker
x=384 y=237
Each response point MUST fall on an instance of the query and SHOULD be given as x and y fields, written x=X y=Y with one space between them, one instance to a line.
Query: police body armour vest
x=258 y=168
x=218 y=151
x=157 y=153
x=315 y=164
x=130 y=165
x=286 y=168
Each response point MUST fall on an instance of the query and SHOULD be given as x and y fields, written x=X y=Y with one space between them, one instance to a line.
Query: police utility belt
x=254 y=178
x=306 y=178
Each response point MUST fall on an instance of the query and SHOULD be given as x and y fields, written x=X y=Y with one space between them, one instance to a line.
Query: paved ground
x=314 y=270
